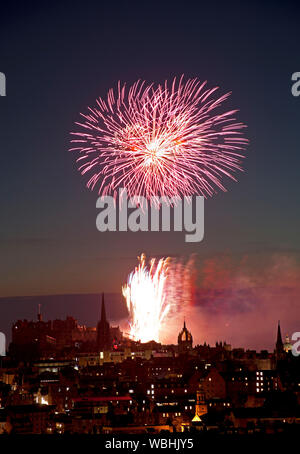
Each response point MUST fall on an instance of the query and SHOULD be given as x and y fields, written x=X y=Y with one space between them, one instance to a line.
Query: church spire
x=103 y=330
x=279 y=350
x=103 y=312
x=279 y=343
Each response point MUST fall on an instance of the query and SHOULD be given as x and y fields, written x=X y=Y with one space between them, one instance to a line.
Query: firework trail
x=172 y=140
x=155 y=294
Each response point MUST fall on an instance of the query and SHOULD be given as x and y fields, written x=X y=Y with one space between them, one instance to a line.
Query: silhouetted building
x=185 y=340
x=287 y=346
x=104 y=341
x=40 y=318
x=279 y=350
x=201 y=405
x=35 y=338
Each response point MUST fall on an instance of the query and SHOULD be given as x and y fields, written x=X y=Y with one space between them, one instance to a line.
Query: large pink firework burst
x=171 y=140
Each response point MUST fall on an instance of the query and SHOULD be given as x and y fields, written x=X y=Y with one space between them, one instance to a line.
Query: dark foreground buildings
x=62 y=377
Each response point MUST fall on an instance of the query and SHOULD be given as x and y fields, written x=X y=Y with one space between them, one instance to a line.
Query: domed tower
x=185 y=340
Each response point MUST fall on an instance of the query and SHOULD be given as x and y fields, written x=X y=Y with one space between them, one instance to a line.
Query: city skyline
x=123 y=322
x=248 y=264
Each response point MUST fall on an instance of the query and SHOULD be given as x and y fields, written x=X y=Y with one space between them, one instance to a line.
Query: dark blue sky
x=58 y=58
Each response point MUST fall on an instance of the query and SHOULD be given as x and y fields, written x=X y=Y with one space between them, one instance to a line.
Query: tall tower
x=279 y=350
x=103 y=330
x=201 y=406
x=185 y=340
x=40 y=318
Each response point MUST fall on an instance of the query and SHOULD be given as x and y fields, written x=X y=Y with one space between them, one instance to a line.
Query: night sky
x=58 y=58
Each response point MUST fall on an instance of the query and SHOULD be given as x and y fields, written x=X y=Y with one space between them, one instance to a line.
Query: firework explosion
x=171 y=140
x=156 y=293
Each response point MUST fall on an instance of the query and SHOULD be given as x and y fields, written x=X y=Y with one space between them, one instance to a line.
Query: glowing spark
x=171 y=140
